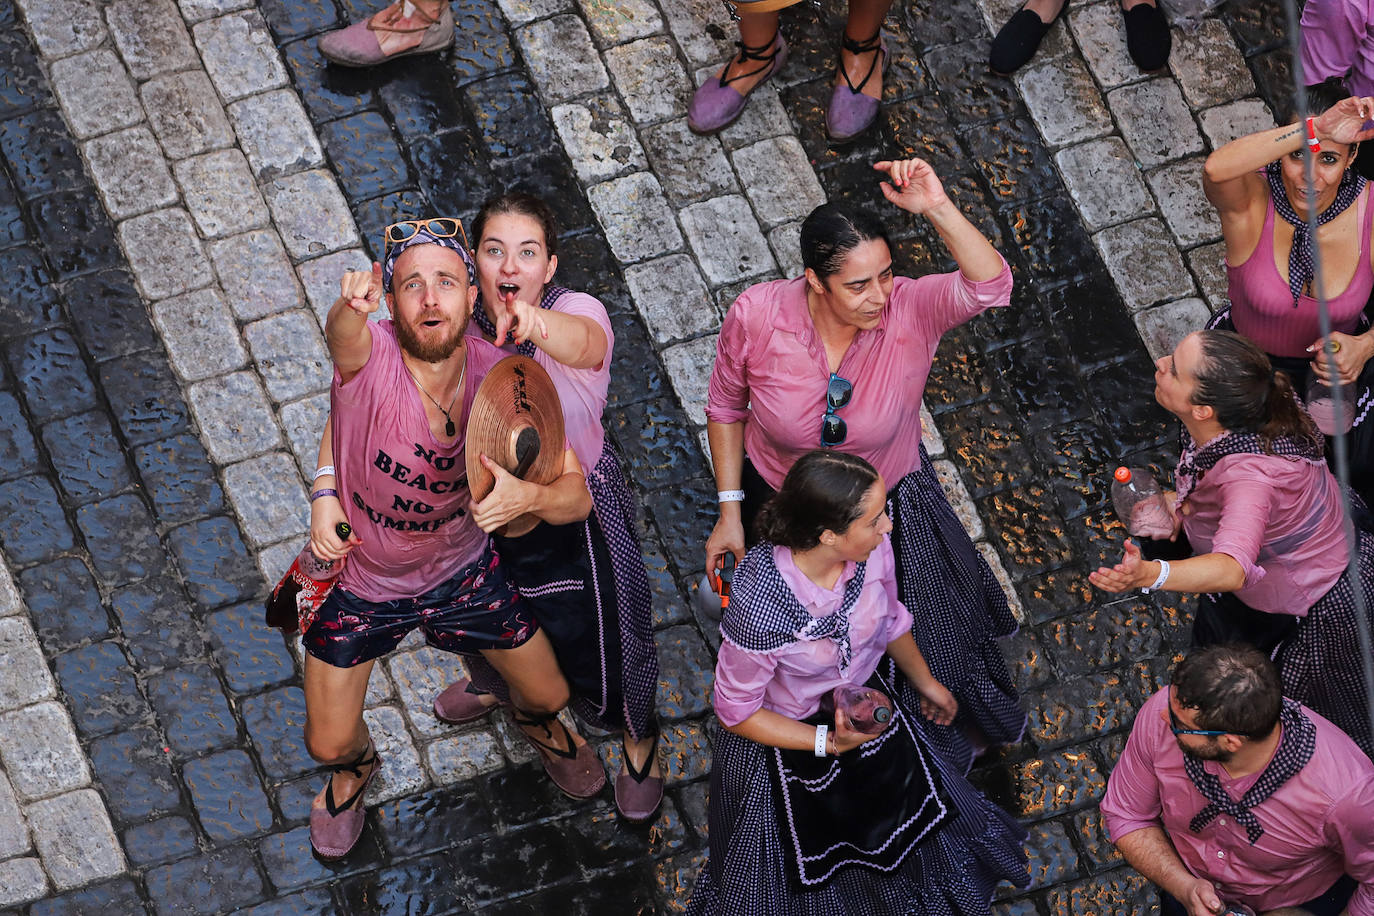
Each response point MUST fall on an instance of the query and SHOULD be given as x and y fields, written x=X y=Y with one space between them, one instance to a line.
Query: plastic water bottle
x=298 y=596
x=1140 y=505
x=865 y=709
x=1321 y=404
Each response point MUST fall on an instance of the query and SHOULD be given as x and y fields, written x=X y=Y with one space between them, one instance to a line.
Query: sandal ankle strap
x=766 y=54
x=868 y=45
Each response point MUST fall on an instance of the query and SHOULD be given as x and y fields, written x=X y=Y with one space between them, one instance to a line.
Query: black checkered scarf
x=1298 y=742
x=764 y=615
x=479 y=314
x=1193 y=462
x=1300 y=256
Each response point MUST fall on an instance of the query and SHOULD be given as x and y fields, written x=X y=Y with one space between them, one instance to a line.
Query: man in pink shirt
x=1338 y=48
x=1229 y=793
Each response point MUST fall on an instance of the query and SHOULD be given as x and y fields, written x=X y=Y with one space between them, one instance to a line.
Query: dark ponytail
x=1246 y=394
x=832 y=231
x=823 y=491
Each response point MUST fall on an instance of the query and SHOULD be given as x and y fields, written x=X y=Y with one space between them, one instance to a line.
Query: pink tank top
x=1262 y=307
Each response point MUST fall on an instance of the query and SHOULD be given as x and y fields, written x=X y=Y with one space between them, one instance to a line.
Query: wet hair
x=1234 y=689
x=832 y=231
x=1246 y=394
x=823 y=491
x=1325 y=95
x=520 y=204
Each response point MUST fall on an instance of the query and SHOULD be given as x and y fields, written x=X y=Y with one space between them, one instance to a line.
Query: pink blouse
x=1280 y=519
x=791 y=680
x=771 y=370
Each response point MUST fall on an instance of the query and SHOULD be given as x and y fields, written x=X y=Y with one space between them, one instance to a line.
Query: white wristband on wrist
x=821 y=732
x=730 y=496
x=325 y=471
x=1163 y=575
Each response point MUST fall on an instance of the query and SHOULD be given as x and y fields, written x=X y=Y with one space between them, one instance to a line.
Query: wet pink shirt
x=771 y=370
x=1338 y=40
x=791 y=680
x=405 y=493
x=1317 y=826
x=1280 y=519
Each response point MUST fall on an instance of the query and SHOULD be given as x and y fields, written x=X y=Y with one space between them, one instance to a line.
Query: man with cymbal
x=393 y=467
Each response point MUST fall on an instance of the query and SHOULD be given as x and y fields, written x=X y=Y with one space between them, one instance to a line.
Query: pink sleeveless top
x=1262 y=307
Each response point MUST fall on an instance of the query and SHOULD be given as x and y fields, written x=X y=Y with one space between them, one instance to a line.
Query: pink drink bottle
x=1321 y=405
x=865 y=709
x=1140 y=505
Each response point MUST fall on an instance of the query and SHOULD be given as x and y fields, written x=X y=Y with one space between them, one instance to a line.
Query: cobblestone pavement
x=182 y=183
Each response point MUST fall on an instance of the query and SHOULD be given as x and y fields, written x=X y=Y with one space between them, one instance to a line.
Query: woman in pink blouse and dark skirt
x=838 y=358
x=808 y=821
x=1264 y=527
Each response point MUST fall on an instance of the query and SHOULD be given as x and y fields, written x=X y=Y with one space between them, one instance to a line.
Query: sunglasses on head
x=838 y=391
x=441 y=227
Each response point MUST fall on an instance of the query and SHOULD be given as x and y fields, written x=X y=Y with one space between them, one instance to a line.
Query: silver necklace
x=450 y=428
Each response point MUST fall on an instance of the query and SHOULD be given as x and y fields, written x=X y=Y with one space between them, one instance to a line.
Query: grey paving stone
x=311 y=214
x=522 y=11
x=151 y=37
x=196 y=10
x=1102 y=178
x=402 y=773
x=10 y=602
x=186 y=113
x=690 y=167
x=304 y=421
x=234 y=416
x=130 y=171
x=276 y=134
x=785 y=241
x=1234 y=120
x=959 y=500
x=463 y=756
x=1164 y=326
x=1101 y=33
x=239 y=54
x=39 y=749
x=14 y=833
x=419 y=677
x=267 y=494
x=1208 y=264
x=650 y=79
x=775 y=200
x=276 y=559
x=200 y=334
x=95 y=92
x=74 y=838
x=164 y=252
x=561 y=58
x=321 y=278
x=700 y=32
x=1209 y=67
x=21 y=880
x=1155 y=121
x=290 y=353
x=1178 y=188
x=255 y=274
x=220 y=193
x=62 y=27
x=598 y=139
x=726 y=240
x=689 y=367
x=24 y=677
x=671 y=298
x=763 y=117
x=1143 y=261
x=622 y=21
x=1064 y=101
x=636 y=218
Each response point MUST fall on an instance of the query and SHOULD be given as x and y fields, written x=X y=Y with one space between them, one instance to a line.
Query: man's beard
x=1213 y=751
x=433 y=351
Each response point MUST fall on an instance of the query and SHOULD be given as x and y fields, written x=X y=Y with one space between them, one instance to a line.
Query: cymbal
x=517 y=421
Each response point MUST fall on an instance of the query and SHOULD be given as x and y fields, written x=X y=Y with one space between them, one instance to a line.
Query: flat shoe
x=1147 y=37
x=334 y=829
x=850 y=112
x=574 y=768
x=637 y=794
x=716 y=104
x=459 y=703
x=357 y=45
x=1018 y=40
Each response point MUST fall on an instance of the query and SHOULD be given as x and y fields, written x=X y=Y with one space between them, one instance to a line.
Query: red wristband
x=1312 y=142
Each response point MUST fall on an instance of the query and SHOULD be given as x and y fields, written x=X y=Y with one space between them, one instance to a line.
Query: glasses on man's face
x=838 y=391
x=441 y=227
x=1177 y=728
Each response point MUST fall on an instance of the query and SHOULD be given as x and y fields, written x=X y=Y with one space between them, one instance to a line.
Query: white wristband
x=1163 y=575
x=821 y=732
x=326 y=471
x=730 y=496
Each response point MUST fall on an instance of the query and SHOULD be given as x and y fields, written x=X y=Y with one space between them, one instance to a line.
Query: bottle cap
x=881 y=714
x=1123 y=475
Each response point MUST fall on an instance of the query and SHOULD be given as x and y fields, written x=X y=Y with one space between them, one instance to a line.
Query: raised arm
x=345 y=330
x=914 y=187
x=576 y=341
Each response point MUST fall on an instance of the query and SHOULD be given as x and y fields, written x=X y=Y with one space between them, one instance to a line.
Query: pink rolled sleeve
x=1338 y=41
x=1350 y=828
x=1132 y=800
x=727 y=397
x=1246 y=508
x=742 y=679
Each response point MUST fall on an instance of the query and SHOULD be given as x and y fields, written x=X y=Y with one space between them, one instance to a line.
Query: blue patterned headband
x=424 y=237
